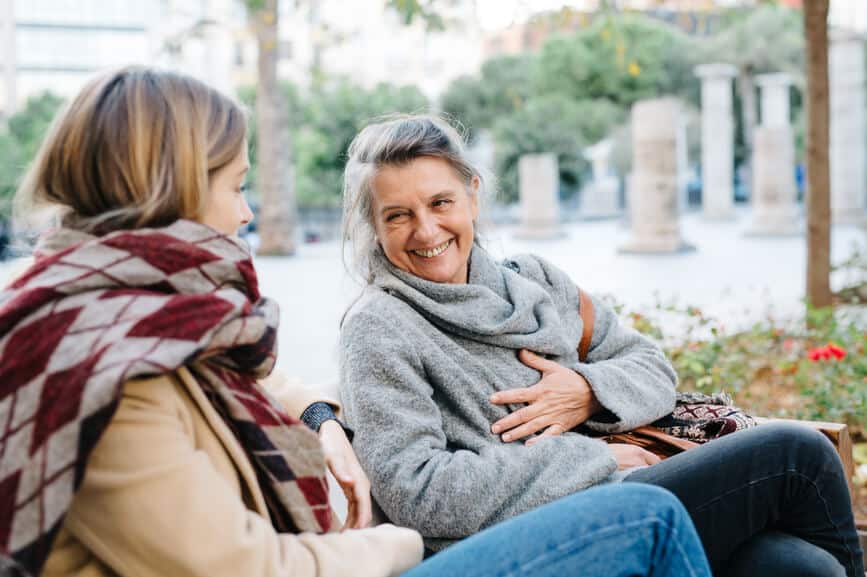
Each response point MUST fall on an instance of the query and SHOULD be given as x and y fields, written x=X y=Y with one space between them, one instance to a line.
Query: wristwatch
x=317 y=413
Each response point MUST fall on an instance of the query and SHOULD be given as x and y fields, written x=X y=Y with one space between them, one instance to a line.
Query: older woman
x=142 y=433
x=462 y=380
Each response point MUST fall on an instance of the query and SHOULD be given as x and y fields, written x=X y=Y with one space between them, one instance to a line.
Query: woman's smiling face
x=423 y=215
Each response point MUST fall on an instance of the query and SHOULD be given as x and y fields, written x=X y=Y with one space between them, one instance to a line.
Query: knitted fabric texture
x=92 y=313
x=420 y=361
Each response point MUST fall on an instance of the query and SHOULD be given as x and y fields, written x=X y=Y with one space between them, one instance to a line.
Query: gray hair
x=394 y=141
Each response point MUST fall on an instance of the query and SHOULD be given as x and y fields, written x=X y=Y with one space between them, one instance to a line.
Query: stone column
x=717 y=140
x=848 y=148
x=539 y=184
x=682 y=153
x=599 y=199
x=653 y=195
x=775 y=209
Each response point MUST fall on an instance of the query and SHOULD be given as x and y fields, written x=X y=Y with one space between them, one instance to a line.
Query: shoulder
x=163 y=398
x=538 y=269
x=376 y=309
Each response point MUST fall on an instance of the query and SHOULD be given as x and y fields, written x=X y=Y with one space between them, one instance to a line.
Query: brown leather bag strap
x=585 y=309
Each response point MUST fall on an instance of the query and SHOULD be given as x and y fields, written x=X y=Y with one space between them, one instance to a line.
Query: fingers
x=650 y=458
x=535 y=361
x=525 y=430
x=352 y=511
x=365 y=510
x=516 y=419
x=515 y=396
x=360 y=508
x=551 y=431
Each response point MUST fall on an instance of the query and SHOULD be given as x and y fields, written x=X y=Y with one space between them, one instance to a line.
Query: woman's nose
x=426 y=228
x=246 y=213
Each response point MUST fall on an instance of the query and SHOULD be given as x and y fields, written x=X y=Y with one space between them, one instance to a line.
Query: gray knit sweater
x=420 y=360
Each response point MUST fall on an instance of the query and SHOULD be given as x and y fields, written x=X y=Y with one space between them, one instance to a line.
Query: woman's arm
x=320 y=411
x=629 y=375
x=418 y=479
x=152 y=504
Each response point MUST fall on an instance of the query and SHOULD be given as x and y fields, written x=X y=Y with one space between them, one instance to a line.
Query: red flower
x=837 y=351
x=828 y=352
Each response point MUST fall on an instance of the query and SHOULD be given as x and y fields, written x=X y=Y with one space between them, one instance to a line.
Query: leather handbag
x=647 y=437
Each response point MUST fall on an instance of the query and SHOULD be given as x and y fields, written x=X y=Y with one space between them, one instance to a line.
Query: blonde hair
x=134 y=149
x=395 y=141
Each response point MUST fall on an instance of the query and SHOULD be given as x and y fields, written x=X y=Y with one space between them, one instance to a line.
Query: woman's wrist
x=318 y=413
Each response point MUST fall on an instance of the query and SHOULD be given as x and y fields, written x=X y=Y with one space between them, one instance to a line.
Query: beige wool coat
x=169 y=491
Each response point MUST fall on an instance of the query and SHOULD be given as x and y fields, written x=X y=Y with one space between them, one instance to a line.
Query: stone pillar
x=717 y=140
x=775 y=209
x=653 y=195
x=539 y=185
x=599 y=199
x=682 y=154
x=848 y=148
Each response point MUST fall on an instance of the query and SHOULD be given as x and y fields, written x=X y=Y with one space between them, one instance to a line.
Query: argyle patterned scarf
x=92 y=313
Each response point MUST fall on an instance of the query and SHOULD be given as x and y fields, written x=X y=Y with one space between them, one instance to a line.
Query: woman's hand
x=343 y=464
x=560 y=401
x=630 y=456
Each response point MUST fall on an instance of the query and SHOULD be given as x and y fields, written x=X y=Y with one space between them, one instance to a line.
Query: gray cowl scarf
x=420 y=360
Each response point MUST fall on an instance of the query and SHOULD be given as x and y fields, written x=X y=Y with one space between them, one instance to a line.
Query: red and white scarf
x=92 y=313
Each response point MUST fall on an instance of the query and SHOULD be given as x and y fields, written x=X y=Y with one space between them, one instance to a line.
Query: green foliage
x=322 y=123
x=30 y=124
x=573 y=93
x=766 y=38
x=501 y=89
x=555 y=124
x=774 y=368
x=410 y=10
x=19 y=141
x=336 y=113
x=622 y=58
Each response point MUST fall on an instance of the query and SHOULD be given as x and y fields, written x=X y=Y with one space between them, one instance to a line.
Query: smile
x=435 y=251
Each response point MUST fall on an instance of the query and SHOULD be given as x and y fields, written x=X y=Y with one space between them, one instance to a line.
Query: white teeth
x=435 y=251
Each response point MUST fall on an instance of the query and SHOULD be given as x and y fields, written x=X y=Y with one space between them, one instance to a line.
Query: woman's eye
x=395 y=216
x=442 y=202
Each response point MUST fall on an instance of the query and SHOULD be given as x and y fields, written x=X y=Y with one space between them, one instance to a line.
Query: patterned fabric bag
x=92 y=313
x=700 y=418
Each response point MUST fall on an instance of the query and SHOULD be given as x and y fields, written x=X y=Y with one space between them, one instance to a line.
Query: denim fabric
x=622 y=530
x=767 y=501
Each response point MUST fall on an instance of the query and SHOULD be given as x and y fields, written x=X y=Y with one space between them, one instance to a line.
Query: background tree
x=500 y=89
x=19 y=141
x=818 y=173
x=334 y=114
x=277 y=212
x=555 y=124
x=619 y=57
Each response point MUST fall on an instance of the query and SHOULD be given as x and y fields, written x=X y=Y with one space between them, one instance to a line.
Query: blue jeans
x=623 y=530
x=766 y=501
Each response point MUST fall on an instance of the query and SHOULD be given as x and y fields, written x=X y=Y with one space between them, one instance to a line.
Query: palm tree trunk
x=818 y=173
x=277 y=212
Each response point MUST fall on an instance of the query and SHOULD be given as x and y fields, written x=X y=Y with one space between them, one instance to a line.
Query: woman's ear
x=474 y=197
